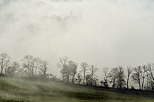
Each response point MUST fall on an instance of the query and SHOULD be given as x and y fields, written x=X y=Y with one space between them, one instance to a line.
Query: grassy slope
x=13 y=90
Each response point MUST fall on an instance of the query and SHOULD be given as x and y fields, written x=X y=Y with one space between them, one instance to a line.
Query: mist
x=100 y=32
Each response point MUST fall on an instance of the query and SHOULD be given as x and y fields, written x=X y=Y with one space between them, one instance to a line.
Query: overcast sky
x=105 y=33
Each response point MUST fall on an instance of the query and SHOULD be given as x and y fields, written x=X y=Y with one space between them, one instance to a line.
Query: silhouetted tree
x=68 y=69
x=43 y=68
x=150 y=77
x=93 y=79
x=105 y=77
x=28 y=65
x=136 y=76
x=4 y=62
x=37 y=65
x=112 y=76
x=93 y=70
x=129 y=71
x=88 y=79
x=144 y=70
x=12 y=69
x=84 y=69
x=31 y=65
x=117 y=77
x=79 y=78
x=73 y=69
x=63 y=65
x=120 y=82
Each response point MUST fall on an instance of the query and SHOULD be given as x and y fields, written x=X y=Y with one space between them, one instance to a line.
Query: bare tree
x=4 y=62
x=63 y=65
x=150 y=76
x=105 y=72
x=144 y=70
x=91 y=78
x=73 y=69
x=84 y=68
x=129 y=71
x=112 y=76
x=93 y=70
x=117 y=77
x=28 y=65
x=11 y=70
x=31 y=65
x=37 y=64
x=79 y=78
x=68 y=69
x=120 y=83
x=136 y=76
x=43 y=68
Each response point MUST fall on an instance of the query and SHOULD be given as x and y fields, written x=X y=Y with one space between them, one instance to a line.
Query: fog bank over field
x=100 y=32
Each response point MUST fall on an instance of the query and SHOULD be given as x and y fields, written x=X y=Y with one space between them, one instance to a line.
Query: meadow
x=19 y=90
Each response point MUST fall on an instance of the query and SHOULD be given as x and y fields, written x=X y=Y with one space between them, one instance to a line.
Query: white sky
x=105 y=33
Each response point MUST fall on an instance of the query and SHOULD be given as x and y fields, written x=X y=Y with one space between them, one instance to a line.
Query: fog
x=105 y=33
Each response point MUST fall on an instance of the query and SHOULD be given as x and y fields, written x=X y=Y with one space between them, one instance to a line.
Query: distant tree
x=84 y=69
x=12 y=69
x=63 y=65
x=28 y=65
x=66 y=73
x=136 y=76
x=43 y=68
x=95 y=81
x=79 y=78
x=120 y=77
x=37 y=65
x=93 y=70
x=31 y=65
x=129 y=71
x=150 y=76
x=88 y=79
x=112 y=75
x=143 y=75
x=92 y=79
x=68 y=69
x=4 y=62
x=105 y=77
x=73 y=69
x=117 y=77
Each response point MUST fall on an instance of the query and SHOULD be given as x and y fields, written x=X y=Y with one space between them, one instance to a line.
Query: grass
x=17 y=90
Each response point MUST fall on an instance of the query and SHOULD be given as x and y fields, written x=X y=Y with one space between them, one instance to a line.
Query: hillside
x=17 y=90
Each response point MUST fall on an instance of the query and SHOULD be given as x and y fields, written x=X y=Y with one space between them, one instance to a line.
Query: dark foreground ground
x=17 y=90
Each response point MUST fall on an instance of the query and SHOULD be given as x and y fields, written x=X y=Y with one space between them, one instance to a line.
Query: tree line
x=116 y=77
x=30 y=67
x=85 y=76
x=83 y=73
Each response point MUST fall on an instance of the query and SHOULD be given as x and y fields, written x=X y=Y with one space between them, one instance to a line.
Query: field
x=17 y=90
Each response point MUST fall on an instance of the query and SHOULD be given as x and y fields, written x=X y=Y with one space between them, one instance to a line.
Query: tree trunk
x=73 y=79
x=127 y=83
x=1 y=70
x=139 y=85
x=68 y=77
x=84 y=74
x=143 y=83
